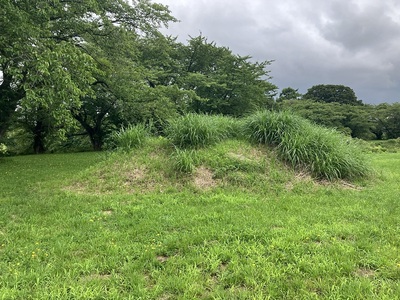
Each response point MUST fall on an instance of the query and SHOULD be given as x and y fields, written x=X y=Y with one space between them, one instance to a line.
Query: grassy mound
x=159 y=166
x=194 y=141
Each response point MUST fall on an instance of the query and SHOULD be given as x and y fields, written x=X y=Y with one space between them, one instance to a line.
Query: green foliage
x=355 y=120
x=184 y=160
x=104 y=64
x=323 y=152
x=360 y=121
x=3 y=149
x=378 y=146
x=269 y=128
x=197 y=130
x=128 y=138
x=387 y=118
x=55 y=55
x=289 y=94
x=225 y=83
x=18 y=141
x=332 y=93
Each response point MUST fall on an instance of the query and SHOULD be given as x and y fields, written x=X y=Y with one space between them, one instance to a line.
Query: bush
x=324 y=152
x=3 y=149
x=196 y=131
x=127 y=139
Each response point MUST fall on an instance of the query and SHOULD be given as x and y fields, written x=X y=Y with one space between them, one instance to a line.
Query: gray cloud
x=350 y=42
x=357 y=28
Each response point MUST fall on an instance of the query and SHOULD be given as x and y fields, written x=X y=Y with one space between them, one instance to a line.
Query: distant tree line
x=337 y=106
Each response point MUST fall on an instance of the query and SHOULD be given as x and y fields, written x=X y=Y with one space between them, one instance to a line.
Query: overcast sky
x=350 y=42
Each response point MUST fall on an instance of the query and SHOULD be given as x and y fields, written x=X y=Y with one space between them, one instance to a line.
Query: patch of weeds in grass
x=265 y=127
x=238 y=164
x=149 y=169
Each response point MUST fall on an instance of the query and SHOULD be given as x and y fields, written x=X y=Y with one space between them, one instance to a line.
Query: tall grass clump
x=197 y=130
x=325 y=153
x=184 y=160
x=128 y=138
x=265 y=127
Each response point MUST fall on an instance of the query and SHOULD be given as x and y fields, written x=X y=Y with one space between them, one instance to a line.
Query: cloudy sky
x=350 y=42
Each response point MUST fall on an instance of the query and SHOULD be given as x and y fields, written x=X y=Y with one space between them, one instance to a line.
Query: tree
x=224 y=83
x=332 y=93
x=202 y=77
x=289 y=94
x=51 y=51
x=392 y=121
x=10 y=94
x=387 y=120
x=329 y=115
x=38 y=68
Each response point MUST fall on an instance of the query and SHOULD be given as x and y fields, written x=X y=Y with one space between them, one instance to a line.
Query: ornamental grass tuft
x=184 y=160
x=128 y=138
x=197 y=130
x=324 y=152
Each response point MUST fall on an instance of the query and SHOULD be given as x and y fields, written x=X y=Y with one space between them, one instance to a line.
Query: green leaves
x=223 y=82
x=332 y=93
x=53 y=52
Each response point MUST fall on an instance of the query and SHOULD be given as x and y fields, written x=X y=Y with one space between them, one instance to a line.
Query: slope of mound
x=230 y=164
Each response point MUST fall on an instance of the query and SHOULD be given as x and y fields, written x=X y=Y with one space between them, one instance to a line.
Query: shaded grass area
x=59 y=240
x=392 y=145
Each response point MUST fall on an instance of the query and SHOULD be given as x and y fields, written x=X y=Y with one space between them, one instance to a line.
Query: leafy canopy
x=332 y=93
x=51 y=52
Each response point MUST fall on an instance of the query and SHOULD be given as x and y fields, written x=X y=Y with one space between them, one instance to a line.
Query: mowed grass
x=71 y=228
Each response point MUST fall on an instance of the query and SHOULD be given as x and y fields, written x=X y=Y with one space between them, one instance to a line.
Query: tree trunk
x=9 y=98
x=95 y=132
x=97 y=141
x=38 y=138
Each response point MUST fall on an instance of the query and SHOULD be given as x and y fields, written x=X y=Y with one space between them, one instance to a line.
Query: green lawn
x=62 y=240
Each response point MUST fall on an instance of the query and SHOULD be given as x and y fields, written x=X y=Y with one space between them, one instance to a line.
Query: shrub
x=326 y=153
x=3 y=149
x=196 y=131
x=127 y=139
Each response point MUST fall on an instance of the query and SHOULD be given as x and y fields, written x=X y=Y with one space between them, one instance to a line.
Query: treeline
x=337 y=106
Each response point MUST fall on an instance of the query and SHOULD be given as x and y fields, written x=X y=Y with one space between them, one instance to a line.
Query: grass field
x=239 y=226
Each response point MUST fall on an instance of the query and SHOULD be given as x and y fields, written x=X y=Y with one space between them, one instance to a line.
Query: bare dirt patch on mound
x=204 y=178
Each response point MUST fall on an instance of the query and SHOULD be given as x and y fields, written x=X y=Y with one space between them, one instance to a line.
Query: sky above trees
x=350 y=42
